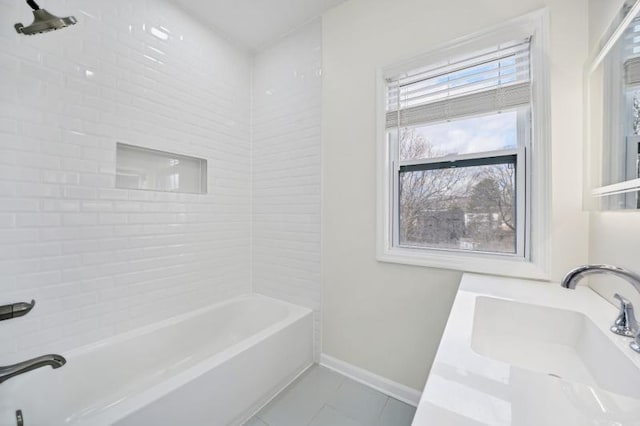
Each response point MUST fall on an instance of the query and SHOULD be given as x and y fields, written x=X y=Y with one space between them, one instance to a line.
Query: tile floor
x=321 y=397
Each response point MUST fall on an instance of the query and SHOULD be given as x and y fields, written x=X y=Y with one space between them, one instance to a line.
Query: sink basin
x=525 y=353
x=560 y=343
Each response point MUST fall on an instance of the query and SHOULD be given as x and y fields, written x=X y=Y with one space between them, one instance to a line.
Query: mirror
x=613 y=115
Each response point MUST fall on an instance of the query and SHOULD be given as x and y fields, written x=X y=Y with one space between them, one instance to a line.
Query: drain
x=554 y=375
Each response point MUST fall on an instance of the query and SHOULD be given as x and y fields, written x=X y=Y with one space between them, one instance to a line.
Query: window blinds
x=632 y=71
x=491 y=80
x=631 y=54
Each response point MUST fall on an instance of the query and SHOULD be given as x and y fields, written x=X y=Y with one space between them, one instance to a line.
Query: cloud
x=471 y=135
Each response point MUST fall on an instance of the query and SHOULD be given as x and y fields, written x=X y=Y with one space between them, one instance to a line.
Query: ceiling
x=256 y=23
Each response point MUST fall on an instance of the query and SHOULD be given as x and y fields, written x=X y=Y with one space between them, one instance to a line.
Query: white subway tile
x=286 y=173
x=39 y=280
x=79 y=219
x=7 y=220
x=59 y=205
x=39 y=250
x=37 y=219
x=13 y=236
x=78 y=192
x=85 y=248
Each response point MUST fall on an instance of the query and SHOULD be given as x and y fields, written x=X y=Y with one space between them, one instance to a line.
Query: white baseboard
x=388 y=387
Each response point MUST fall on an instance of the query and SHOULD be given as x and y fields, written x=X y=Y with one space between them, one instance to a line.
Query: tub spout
x=54 y=361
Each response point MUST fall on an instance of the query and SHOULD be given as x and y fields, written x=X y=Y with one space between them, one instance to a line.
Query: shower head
x=44 y=21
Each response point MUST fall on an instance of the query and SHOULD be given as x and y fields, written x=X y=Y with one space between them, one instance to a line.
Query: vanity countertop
x=478 y=379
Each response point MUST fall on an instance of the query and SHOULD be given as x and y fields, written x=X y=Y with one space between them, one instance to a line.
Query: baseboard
x=388 y=387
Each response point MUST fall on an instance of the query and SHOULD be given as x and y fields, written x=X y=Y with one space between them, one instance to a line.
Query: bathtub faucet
x=54 y=361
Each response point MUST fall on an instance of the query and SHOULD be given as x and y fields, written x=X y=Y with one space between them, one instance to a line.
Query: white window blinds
x=631 y=54
x=632 y=71
x=491 y=80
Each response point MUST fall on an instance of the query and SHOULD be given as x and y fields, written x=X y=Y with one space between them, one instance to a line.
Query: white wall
x=613 y=236
x=99 y=260
x=601 y=15
x=388 y=318
x=287 y=82
x=614 y=240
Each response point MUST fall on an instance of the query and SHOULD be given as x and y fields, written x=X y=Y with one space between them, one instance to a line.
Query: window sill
x=465 y=262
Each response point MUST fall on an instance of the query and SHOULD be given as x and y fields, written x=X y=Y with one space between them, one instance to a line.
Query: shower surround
x=99 y=260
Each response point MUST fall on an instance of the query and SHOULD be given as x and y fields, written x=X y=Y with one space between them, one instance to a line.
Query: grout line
x=251 y=172
x=338 y=410
x=384 y=407
x=317 y=413
x=282 y=391
x=327 y=403
x=261 y=419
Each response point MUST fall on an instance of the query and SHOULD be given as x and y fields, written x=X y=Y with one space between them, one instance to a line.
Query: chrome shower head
x=43 y=21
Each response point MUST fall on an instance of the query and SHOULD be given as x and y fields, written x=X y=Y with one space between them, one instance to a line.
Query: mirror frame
x=629 y=11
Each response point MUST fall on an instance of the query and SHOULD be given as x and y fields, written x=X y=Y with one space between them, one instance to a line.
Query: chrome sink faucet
x=625 y=324
x=54 y=361
x=571 y=279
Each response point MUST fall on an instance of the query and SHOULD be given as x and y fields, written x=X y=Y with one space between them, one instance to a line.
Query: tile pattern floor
x=321 y=397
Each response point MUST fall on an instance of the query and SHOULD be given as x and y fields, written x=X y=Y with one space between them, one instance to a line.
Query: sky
x=478 y=134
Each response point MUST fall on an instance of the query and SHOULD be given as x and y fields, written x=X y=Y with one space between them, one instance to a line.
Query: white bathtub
x=215 y=366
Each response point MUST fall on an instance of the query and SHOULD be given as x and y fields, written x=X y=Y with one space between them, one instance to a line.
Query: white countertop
x=465 y=388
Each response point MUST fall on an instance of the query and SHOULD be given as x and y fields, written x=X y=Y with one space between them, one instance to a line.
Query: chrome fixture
x=571 y=279
x=16 y=310
x=53 y=361
x=19 y=418
x=635 y=345
x=43 y=21
x=625 y=324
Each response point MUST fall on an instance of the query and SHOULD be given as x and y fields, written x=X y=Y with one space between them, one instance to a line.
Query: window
x=457 y=156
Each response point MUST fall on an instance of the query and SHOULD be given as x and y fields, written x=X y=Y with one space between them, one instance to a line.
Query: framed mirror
x=613 y=115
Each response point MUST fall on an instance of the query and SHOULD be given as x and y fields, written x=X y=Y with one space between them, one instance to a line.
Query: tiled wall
x=286 y=170
x=101 y=260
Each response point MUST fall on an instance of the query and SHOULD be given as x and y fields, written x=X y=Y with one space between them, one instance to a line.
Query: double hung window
x=457 y=153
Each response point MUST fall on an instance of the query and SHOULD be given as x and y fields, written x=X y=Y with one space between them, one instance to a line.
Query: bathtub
x=214 y=366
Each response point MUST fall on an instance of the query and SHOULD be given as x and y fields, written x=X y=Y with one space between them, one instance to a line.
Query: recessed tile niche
x=153 y=170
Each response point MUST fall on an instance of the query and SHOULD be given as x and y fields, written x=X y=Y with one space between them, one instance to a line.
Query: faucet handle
x=635 y=343
x=626 y=324
x=16 y=310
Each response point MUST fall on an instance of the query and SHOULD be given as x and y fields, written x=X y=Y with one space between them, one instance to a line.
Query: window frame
x=481 y=158
x=532 y=258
